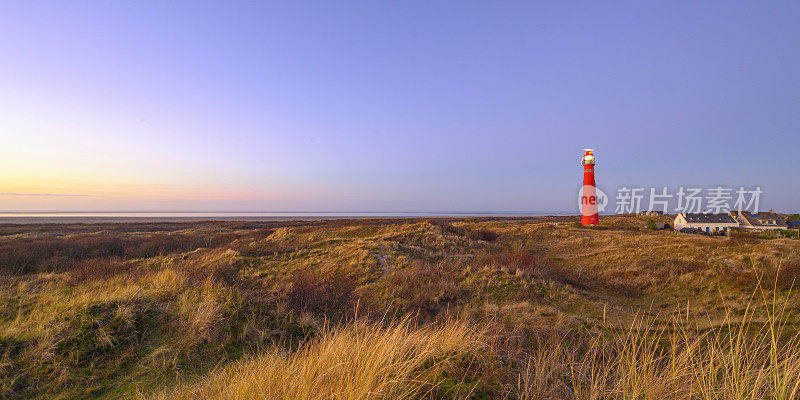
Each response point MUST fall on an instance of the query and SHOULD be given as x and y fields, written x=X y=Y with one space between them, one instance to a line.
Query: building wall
x=680 y=223
x=763 y=227
x=712 y=227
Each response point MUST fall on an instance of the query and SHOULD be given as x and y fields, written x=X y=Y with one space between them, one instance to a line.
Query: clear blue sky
x=391 y=106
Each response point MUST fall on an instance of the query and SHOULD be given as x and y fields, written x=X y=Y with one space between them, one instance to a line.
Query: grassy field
x=443 y=308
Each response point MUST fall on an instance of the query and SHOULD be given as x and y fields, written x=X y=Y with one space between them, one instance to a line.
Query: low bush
x=532 y=264
x=95 y=268
x=58 y=254
x=427 y=288
x=219 y=266
x=481 y=234
x=788 y=275
x=328 y=293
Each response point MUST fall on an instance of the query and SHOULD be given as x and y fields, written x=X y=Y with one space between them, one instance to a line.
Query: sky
x=392 y=106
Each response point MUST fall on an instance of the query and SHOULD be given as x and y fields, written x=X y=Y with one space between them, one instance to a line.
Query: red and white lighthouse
x=589 y=196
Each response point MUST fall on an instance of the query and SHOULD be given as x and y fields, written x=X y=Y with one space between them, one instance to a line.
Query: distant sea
x=106 y=217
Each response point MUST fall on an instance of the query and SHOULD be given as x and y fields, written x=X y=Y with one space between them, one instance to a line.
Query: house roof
x=771 y=215
x=755 y=219
x=710 y=218
x=749 y=219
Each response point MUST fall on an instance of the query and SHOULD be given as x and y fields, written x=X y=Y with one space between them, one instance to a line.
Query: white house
x=720 y=224
x=760 y=221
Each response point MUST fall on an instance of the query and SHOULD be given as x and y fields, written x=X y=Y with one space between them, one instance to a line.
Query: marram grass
x=743 y=359
x=358 y=361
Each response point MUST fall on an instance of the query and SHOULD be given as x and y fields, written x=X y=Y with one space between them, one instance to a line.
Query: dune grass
x=741 y=359
x=502 y=309
x=361 y=361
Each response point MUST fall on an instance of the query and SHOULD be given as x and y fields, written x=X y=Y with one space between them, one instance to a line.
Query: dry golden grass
x=574 y=313
x=743 y=360
x=358 y=361
x=370 y=361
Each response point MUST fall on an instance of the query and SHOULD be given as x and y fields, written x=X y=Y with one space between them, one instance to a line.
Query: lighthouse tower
x=589 y=196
